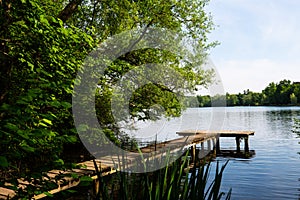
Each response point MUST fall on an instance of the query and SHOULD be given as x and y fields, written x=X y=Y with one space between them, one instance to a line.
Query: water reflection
x=280 y=121
x=273 y=173
x=274 y=170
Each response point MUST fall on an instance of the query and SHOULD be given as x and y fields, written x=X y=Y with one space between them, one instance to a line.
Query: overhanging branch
x=68 y=11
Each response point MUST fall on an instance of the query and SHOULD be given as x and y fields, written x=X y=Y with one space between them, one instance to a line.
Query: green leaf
x=82 y=128
x=86 y=179
x=55 y=104
x=60 y=162
x=5 y=106
x=48 y=194
x=30 y=65
x=12 y=127
x=74 y=175
x=3 y=161
x=23 y=134
x=72 y=191
x=47 y=121
x=70 y=138
x=43 y=124
x=44 y=20
x=66 y=104
x=27 y=148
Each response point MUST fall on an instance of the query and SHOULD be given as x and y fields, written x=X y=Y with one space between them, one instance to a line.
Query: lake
x=274 y=172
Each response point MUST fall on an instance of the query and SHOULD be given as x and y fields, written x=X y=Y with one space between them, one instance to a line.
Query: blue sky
x=260 y=42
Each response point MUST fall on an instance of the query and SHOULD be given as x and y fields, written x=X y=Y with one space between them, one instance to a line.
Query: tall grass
x=175 y=181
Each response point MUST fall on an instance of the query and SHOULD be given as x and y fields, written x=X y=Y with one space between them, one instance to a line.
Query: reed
x=175 y=181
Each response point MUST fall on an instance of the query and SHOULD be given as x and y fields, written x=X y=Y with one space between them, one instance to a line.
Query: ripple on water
x=274 y=172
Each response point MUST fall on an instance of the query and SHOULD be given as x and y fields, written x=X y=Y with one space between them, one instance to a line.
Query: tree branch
x=68 y=11
x=141 y=36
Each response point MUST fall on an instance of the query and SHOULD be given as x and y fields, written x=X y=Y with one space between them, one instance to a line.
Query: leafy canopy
x=42 y=47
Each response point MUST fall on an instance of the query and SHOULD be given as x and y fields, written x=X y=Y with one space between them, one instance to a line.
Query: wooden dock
x=107 y=164
x=238 y=135
x=69 y=178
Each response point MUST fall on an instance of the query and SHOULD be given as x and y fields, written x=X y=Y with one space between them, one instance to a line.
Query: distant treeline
x=283 y=93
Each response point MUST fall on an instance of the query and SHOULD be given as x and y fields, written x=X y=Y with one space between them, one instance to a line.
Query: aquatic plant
x=180 y=180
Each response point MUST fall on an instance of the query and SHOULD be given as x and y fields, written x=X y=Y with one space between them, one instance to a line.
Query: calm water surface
x=274 y=172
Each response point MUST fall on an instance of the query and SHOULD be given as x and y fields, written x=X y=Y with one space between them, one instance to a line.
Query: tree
x=279 y=93
x=204 y=101
x=283 y=92
x=43 y=44
x=41 y=57
x=240 y=99
x=232 y=100
x=293 y=99
x=269 y=92
x=296 y=89
x=108 y=18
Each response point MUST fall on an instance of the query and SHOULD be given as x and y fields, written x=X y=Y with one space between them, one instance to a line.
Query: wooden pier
x=107 y=164
x=238 y=135
x=69 y=178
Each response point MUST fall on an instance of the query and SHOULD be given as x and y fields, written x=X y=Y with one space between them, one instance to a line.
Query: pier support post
x=193 y=152
x=246 y=144
x=237 y=141
x=214 y=140
x=201 y=153
x=155 y=142
x=218 y=145
x=208 y=145
x=202 y=146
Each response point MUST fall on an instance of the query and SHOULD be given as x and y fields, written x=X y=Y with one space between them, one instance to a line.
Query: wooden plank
x=109 y=164
x=6 y=193
x=59 y=189
x=69 y=182
x=221 y=133
x=66 y=181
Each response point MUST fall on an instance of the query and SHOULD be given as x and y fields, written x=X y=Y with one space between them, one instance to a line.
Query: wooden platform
x=221 y=133
x=238 y=135
x=69 y=178
x=108 y=165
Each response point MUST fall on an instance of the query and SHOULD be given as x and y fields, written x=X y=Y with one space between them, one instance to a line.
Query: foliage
x=43 y=44
x=40 y=58
x=172 y=182
x=204 y=101
x=279 y=94
x=248 y=98
x=118 y=16
x=283 y=93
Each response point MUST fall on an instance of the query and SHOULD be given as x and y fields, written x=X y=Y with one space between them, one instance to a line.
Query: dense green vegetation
x=42 y=47
x=283 y=93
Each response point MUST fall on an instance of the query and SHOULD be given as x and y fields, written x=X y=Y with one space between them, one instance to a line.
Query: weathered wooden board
x=110 y=164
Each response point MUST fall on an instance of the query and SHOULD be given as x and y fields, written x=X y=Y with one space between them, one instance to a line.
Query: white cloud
x=260 y=42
